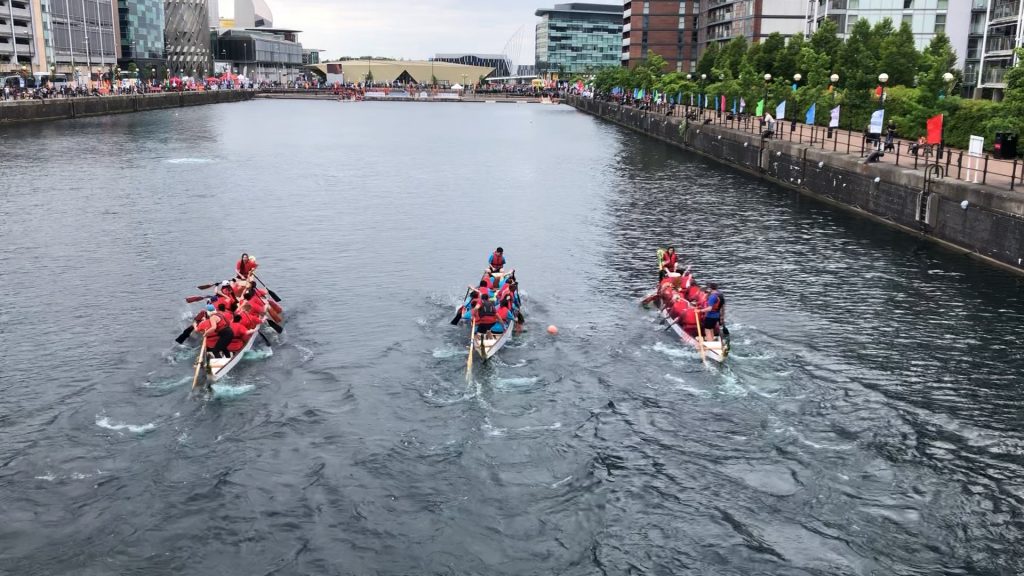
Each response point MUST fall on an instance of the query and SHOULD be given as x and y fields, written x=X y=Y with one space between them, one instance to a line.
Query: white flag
x=877 y=118
x=780 y=111
x=833 y=121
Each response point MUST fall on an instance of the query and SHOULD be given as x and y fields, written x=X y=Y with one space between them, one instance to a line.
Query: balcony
x=1000 y=44
x=716 y=17
x=1004 y=11
x=994 y=77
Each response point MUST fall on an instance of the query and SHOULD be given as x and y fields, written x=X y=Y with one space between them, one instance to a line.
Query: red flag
x=723 y=102
x=935 y=129
x=878 y=91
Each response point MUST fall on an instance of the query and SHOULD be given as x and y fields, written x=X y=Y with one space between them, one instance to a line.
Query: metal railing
x=1007 y=174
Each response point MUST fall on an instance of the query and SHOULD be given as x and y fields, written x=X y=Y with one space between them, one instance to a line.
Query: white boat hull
x=493 y=342
x=714 y=349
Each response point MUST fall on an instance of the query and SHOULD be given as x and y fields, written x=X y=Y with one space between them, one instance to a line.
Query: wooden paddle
x=194 y=299
x=472 y=345
x=271 y=292
x=184 y=334
x=207 y=286
x=264 y=336
x=462 y=310
x=700 y=339
x=199 y=363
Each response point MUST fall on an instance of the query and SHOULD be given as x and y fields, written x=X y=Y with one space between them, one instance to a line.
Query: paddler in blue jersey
x=713 y=311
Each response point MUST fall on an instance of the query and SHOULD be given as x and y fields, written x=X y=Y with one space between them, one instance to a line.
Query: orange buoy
x=552 y=329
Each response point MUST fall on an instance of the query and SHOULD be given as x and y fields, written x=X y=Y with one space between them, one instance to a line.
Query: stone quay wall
x=922 y=203
x=67 y=108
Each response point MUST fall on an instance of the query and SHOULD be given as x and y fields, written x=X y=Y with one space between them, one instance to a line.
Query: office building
x=213 y=11
x=187 y=37
x=262 y=54
x=75 y=38
x=578 y=38
x=141 y=26
x=679 y=30
x=253 y=14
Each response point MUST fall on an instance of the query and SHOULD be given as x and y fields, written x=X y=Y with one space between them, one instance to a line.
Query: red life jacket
x=693 y=292
x=679 y=309
x=238 y=342
x=690 y=316
x=486 y=313
x=250 y=320
x=244 y=268
x=505 y=313
x=497 y=260
x=257 y=304
x=669 y=261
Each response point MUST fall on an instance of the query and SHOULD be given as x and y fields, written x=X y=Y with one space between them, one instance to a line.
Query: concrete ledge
x=991 y=228
x=63 y=109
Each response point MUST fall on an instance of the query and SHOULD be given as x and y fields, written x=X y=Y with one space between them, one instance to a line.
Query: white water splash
x=105 y=422
x=516 y=382
x=305 y=353
x=681 y=384
x=189 y=160
x=228 y=391
x=258 y=354
x=449 y=352
x=674 y=351
x=562 y=482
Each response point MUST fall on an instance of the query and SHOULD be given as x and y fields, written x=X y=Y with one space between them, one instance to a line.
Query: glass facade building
x=142 y=31
x=273 y=56
x=77 y=35
x=925 y=17
x=578 y=38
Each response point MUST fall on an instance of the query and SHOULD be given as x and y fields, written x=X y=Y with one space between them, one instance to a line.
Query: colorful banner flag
x=877 y=120
x=707 y=101
x=743 y=105
x=935 y=129
x=679 y=97
x=691 y=99
x=794 y=87
x=810 y=114
x=722 y=109
x=760 y=107
x=833 y=121
x=733 y=105
x=780 y=111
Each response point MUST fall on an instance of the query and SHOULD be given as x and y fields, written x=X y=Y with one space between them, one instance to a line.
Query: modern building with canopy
x=402 y=71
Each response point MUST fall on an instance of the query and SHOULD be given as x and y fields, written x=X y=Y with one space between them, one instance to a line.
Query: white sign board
x=977 y=146
x=877 y=119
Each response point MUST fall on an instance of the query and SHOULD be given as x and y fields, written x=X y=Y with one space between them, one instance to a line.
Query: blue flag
x=810 y=114
x=679 y=97
x=733 y=105
x=706 y=98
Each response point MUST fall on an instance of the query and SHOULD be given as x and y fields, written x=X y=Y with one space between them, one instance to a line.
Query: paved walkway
x=958 y=164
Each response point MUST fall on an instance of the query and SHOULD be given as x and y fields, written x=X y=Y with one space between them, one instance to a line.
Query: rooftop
x=582 y=8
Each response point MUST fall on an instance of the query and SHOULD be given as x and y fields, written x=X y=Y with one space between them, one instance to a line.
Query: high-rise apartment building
x=77 y=38
x=668 y=28
x=578 y=38
x=680 y=30
x=1002 y=33
x=925 y=17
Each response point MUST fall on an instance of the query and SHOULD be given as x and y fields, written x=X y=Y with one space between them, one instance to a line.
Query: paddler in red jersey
x=669 y=259
x=226 y=296
x=245 y=266
x=239 y=335
x=216 y=328
x=486 y=315
x=497 y=260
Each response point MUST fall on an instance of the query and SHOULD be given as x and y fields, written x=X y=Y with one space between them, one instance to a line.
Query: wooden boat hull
x=493 y=342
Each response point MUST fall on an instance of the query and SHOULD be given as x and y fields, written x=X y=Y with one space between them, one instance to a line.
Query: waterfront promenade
x=983 y=220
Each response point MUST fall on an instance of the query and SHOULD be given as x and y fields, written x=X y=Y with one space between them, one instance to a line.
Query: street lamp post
x=686 y=110
x=792 y=123
x=948 y=79
x=834 y=80
x=764 y=110
x=882 y=79
x=703 y=80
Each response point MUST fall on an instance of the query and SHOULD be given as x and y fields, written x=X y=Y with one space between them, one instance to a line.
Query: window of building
x=940 y=23
x=852 y=4
x=943 y=5
x=647 y=8
x=908 y=4
x=972 y=48
x=908 y=19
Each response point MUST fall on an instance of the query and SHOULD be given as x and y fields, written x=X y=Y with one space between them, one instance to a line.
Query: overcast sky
x=411 y=29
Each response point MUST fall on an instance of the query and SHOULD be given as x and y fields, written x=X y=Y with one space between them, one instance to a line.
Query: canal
x=869 y=420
